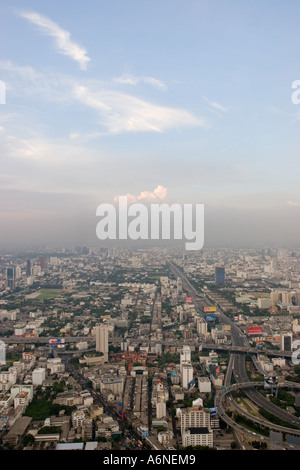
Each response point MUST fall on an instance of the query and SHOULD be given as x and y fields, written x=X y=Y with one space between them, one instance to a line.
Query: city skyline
x=194 y=98
x=111 y=349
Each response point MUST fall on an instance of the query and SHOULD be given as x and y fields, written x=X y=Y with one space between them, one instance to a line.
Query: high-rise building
x=161 y=409
x=179 y=286
x=204 y=385
x=286 y=340
x=28 y=268
x=198 y=437
x=201 y=326
x=187 y=375
x=156 y=321
x=194 y=418
x=187 y=334
x=276 y=297
x=38 y=376
x=102 y=340
x=18 y=272
x=263 y=303
x=220 y=275
x=42 y=262
x=185 y=356
x=11 y=277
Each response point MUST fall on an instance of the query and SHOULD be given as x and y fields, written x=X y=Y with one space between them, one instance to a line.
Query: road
x=107 y=408
x=237 y=363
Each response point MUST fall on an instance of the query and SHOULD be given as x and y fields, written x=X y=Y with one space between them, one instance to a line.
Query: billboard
x=210 y=318
x=254 y=330
x=191 y=384
x=210 y=309
x=226 y=327
x=57 y=341
x=213 y=412
x=274 y=381
x=270 y=382
x=281 y=381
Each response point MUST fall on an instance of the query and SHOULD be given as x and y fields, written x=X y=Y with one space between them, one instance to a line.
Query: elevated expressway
x=237 y=368
x=223 y=415
x=77 y=339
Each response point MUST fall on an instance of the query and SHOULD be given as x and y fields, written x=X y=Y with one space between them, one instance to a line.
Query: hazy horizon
x=175 y=102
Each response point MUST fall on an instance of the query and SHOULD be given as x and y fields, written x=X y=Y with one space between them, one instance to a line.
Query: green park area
x=48 y=293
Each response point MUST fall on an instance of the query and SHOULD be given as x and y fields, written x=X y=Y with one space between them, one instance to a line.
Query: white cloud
x=159 y=193
x=216 y=105
x=132 y=80
x=121 y=112
x=63 y=42
x=118 y=112
x=293 y=204
x=26 y=81
x=130 y=197
x=25 y=72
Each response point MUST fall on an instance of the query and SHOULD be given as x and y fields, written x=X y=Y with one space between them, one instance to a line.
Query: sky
x=166 y=101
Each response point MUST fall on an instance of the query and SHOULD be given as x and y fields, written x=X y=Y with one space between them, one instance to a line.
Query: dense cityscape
x=149 y=349
x=149 y=230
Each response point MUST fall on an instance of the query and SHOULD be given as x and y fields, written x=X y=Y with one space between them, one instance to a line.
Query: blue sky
x=122 y=97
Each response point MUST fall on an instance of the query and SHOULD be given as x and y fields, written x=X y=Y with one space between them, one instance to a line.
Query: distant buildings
x=264 y=303
x=151 y=326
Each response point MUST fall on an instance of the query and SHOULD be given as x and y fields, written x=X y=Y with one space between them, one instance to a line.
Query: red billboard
x=254 y=330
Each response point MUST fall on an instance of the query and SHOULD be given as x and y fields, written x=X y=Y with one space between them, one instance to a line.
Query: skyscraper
x=179 y=286
x=196 y=428
x=286 y=341
x=42 y=262
x=194 y=418
x=185 y=355
x=102 y=340
x=187 y=375
x=11 y=277
x=28 y=268
x=220 y=275
x=201 y=326
x=156 y=322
